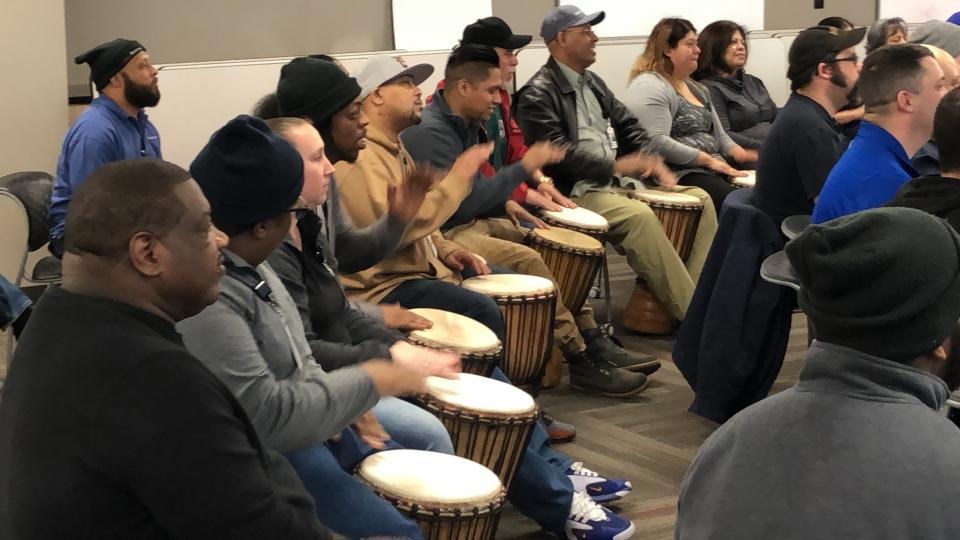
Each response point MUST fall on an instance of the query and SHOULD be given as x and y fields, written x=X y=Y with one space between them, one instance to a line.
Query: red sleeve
x=520 y=194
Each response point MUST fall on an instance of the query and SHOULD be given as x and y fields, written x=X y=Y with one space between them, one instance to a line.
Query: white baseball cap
x=382 y=69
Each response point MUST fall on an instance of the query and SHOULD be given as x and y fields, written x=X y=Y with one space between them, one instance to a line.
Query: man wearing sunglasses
x=805 y=141
x=901 y=86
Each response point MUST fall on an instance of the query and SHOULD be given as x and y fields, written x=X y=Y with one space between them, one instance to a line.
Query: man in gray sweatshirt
x=857 y=449
x=252 y=338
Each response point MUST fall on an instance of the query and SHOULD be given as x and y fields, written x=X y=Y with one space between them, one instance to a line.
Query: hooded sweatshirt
x=933 y=194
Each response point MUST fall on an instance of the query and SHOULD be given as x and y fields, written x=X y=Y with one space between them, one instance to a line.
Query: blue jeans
x=433 y=293
x=541 y=490
x=412 y=427
x=343 y=503
x=13 y=302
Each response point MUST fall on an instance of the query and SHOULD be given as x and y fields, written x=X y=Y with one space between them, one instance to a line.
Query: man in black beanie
x=114 y=127
x=857 y=449
x=253 y=340
x=323 y=93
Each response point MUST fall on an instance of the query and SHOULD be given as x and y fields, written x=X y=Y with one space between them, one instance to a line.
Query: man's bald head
x=120 y=199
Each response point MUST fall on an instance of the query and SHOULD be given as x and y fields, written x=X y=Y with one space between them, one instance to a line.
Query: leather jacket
x=546 y=110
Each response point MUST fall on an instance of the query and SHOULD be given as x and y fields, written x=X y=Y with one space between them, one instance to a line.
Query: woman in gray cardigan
x=678 y=113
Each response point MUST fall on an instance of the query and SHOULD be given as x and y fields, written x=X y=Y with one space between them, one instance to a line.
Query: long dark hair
x=665 y=35
x=713 y=43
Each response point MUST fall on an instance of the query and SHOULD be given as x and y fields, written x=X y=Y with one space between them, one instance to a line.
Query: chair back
x=14 y=234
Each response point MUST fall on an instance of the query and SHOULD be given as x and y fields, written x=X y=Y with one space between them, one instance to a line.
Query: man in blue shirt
x=113 y=128
x=901 y=86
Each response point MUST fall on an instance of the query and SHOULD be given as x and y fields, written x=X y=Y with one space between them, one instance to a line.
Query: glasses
x=301 y=210
x=853 y=59
x=585 y=31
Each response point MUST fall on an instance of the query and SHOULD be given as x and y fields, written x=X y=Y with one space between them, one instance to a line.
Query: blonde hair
x=665 y=35
x=283 y=125
x=948 y=64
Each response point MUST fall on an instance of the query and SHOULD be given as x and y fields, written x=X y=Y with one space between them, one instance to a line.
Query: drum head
x=431 y=477
x=746 y=181
x=579 y=217
x=509 y=285
x=569 y=238
x=480 y=394
x=454 y=331
x=666 y=197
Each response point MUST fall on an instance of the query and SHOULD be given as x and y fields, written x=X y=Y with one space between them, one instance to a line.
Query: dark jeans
x=716 y=186
x=433 y=293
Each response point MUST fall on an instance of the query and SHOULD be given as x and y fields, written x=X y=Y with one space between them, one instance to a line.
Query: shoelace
x=583 y=509
x=578 y=467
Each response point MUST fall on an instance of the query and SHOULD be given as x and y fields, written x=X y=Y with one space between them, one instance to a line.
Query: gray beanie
x=940 y=34
x=885 y=282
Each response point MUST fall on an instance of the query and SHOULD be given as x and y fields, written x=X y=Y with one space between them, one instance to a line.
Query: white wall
x=34 y=104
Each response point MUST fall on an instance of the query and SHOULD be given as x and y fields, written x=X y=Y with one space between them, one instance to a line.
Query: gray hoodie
x=856 y=450
x=940 y=34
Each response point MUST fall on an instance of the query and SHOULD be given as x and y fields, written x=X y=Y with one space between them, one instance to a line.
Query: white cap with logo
x=382 y=69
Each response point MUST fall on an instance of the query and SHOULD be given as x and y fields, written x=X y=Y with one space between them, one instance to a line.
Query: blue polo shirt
x=103 y=133
x=867 y=175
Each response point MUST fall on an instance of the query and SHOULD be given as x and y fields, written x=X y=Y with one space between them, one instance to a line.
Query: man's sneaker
x=590 y=521
x=610 y=350
x=588 y=375
x=560 y=432
x=598 y=488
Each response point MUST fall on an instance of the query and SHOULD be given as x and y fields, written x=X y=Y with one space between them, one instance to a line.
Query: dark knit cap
x=315 y=88
x=248 y=173
x=885 y=282
x=108 y=59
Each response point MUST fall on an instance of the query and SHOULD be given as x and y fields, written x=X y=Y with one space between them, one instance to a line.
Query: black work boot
x=589 y=375
x=603 y=348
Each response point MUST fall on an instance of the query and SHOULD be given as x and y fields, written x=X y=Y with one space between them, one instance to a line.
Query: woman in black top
x=742 y=101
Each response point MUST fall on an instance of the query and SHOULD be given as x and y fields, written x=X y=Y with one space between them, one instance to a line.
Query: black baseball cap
x=813 y=45
x=494 y=32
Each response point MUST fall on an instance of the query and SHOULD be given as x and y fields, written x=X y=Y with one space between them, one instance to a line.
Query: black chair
x=33 y=189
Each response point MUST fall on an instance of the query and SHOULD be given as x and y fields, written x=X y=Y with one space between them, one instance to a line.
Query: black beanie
x=885 y=282
x=108 y=59
x=248 y=173
x=315 y=88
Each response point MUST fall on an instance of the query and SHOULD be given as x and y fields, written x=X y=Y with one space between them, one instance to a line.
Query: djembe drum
x=527 y=304
x=450 y=498
x=573 y=258
x=744 y=181
x=680 y=216
x=489 y=421
x=577 y=219
x=479 y=348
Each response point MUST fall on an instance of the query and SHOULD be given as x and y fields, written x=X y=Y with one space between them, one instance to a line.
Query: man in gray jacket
x=253 y=340
x=857 y=449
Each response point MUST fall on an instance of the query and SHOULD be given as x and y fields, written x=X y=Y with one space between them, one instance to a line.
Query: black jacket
x=744 y=107
x=731 y=344
x=110 y=429
x=546 y=110
x=934 y=195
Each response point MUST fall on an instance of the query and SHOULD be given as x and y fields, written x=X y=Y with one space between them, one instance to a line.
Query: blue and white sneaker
x=590 y=521
x=600 y=489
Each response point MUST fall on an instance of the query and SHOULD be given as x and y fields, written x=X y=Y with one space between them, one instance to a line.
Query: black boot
x=603 y=348
x=588 y=375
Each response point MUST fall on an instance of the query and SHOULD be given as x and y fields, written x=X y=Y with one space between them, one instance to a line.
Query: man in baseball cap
x=564 y=17
x=385 y=69
x=823 y=72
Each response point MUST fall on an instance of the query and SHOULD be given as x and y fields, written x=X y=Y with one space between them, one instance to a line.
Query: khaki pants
x=635 y=229
x=501 y=244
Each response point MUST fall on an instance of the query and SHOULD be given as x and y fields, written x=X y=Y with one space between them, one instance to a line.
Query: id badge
x=611 y=136
x=503 y=131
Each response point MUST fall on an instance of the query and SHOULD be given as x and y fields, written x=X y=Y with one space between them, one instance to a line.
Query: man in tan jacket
x=424 y=269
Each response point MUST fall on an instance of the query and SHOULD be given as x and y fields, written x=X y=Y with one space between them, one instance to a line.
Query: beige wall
x=34 y=104
x=192 y=31
x=791 y=14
